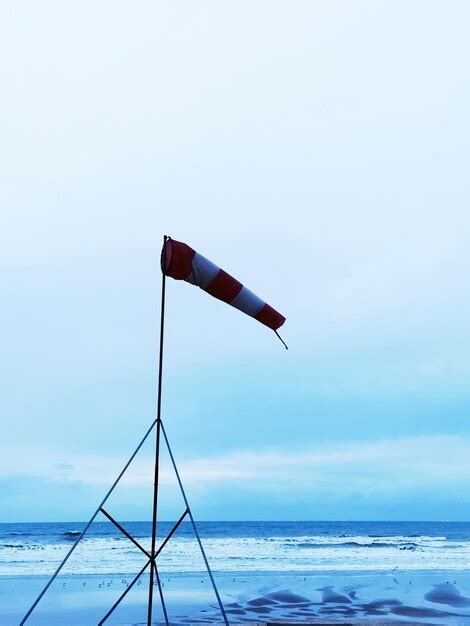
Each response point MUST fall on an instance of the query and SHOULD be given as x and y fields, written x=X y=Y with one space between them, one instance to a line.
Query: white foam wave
x=306 y=554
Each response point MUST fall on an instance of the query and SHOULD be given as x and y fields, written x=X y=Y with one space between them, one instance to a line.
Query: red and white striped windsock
x=183 y=263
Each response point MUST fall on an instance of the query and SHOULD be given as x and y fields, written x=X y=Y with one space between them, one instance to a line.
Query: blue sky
x=318 y=151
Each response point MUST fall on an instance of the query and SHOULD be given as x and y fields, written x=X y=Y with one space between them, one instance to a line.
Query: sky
x=319 y=152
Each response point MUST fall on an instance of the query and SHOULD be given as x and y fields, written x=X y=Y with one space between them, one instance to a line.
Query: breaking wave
x=237 y=546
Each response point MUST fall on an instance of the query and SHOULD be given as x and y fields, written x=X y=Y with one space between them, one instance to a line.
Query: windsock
x=183 y=263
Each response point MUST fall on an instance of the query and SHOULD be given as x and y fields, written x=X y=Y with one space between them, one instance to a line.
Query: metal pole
x=157 y=443
x=125 y=533
x=55 y=574
x=171 y=533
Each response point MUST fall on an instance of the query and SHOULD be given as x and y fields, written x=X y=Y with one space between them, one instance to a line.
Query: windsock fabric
x=184 y=263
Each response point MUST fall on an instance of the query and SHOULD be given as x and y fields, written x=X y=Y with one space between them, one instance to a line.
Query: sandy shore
x=383 y=598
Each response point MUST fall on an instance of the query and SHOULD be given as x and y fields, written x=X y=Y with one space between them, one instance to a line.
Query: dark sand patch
x=333 y=597
x=287 y=597
x=380 y=604
x=262 y=601
x=412 y=611
x=317 y=623
x=375 y=612
x=235 y=611
x=297 y=605
x=346 y=612
x=445 y=593
x=260 y=609
x=335 y=623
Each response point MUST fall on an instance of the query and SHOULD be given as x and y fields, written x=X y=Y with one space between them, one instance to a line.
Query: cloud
x=386 y=465
x=64 y=466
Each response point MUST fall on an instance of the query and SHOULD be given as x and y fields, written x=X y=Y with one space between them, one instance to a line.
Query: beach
x=333 y=575
x=355 y=598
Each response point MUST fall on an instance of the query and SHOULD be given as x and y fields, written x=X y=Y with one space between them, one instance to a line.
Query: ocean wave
x=105 y=552
x=415 y=536
x=357 y=544
x=72 y=534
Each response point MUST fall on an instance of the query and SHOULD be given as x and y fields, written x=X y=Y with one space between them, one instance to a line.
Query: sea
x=28 y=549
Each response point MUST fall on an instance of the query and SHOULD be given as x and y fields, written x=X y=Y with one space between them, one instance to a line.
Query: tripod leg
x=69 y=553
x=160 y=591
x=214 y=586
x=123 y=595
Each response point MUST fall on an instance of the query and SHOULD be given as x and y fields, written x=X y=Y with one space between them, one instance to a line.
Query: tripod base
x=150 y=557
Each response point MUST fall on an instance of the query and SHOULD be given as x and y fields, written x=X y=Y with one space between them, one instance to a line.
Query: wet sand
x=374 y=598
